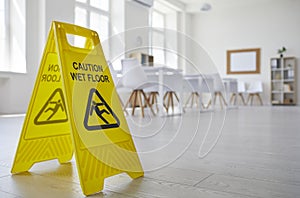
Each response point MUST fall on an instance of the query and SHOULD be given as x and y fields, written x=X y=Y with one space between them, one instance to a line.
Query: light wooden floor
x=257 y=155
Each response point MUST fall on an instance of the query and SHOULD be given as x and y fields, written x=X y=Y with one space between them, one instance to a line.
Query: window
x=3 y=34
x=158 y=37
x=163 y=39
x=12 y=36
x=93 y=14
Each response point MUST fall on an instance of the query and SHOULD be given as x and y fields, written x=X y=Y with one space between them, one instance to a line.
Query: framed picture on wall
x=243 y=61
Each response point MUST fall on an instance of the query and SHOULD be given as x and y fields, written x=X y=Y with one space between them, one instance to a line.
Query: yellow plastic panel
x=103 y=144
x=46 y=130
x=82 y=101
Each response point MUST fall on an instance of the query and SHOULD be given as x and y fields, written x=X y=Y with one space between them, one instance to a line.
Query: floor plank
x=256 y=155
x=250 y=187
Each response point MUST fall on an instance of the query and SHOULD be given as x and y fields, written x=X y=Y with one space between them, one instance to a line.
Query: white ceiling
x=194 y=5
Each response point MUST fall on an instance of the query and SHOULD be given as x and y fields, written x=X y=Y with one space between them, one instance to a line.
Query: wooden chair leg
x=147 y=103
x=134 y=102
x=225 y=103
x=208 y=104
x=188 y=100
x=259 y=98
x=192 y=99
x=164 y=100
x=220 y=99
x=242 y=97
x=197 y=99
x=152 y=99
x=248 y=99
x=169 y=99
x=252 y=99
x=140 y=102
x=128 y=101
x=215 y=98
x=172 y=101
x=231 y=98
x=122 y=104
x=156 y=102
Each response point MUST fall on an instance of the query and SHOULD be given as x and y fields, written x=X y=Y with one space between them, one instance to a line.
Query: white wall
x=16 y=89
x=136 y=16
x=268 y=25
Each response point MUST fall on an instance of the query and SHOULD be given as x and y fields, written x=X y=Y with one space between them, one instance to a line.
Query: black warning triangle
x=53 y=111
x=98 y=113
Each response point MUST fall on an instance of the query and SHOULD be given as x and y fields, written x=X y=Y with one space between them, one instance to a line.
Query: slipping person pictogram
x=99 y=114
x=95 y=107
x=57 y=105
x=53 y=111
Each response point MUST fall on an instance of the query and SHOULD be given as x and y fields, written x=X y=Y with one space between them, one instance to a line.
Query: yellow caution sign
x=75 y=107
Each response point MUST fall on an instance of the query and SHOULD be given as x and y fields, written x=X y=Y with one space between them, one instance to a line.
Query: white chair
x=235 y=88
x=206 y=87
x=172 y=83
x=196 y=85
x=117 y=82
x=192 y=85
x=218 y=90
x=241 y=90
x=255 y=88
x=135 y=78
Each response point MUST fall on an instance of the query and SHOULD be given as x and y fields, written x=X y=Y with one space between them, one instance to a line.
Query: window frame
x=89 y=9
x=14 y=45
x=160 y=31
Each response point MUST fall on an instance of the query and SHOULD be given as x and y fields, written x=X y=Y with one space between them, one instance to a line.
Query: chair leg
x=242 y=97
x=215 y=98
x=153 y=98
x=168 y=101
x=248 y=99
x=193 y=96
x=176 y=97
x=232 y=97
x=197 y=99
x=140 y=102
x=220 y=99
x=188 y=100
x=156 y=102
x=259 y=98
x=129 y=100
x=208 y=104
x=146 y=101
x=134 y=102
x=225 y=103
x=122 y=104
x=164 y=103
x=172 y=101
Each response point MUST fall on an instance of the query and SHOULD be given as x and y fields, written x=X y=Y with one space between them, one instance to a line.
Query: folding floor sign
x=74 y=106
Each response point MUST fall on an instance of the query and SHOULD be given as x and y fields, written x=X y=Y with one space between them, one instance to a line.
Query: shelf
x=289 y=80
x=289 y=92
x=276 y=69
x=283 y=81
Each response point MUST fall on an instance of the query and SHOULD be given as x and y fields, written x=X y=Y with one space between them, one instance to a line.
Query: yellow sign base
x=75 y=107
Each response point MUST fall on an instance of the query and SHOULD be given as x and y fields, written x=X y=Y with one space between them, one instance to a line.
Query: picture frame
x=243 y=61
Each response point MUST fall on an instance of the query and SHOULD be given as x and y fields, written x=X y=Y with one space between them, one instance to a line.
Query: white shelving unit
x=283 y=81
